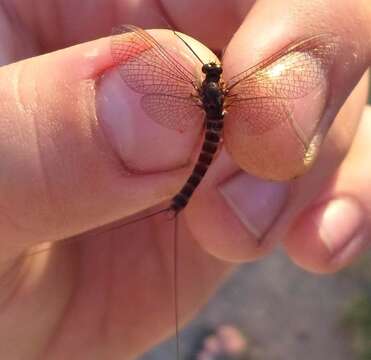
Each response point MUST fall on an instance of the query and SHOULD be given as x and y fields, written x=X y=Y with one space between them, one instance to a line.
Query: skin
x=108 y=295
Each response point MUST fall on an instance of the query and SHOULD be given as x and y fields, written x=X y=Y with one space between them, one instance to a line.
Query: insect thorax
x=212 y=96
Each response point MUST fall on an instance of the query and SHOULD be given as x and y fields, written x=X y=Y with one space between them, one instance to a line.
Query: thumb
x=76 y=150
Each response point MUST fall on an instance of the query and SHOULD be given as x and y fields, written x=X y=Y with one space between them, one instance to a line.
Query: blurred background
x=286 y=313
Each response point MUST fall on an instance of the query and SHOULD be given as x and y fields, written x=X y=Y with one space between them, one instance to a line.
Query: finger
x=264 y=209
x=336 y=229
x=205 y=23
x=36 y=31
x=326 y=69
x=68 y=150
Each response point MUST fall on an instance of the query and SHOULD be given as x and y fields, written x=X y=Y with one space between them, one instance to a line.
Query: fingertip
x=329 y=236
x=58 y=158
x=311 y=92
x=135 y=99
x=233 y=211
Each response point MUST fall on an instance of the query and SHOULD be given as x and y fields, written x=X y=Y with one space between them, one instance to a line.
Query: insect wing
x=281 y=75
x=261 y=104
x=177 y=113
x=169 y=88
x=268 y=111
x=146 y=66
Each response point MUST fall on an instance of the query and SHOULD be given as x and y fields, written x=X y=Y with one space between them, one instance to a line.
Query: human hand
x=61 y=175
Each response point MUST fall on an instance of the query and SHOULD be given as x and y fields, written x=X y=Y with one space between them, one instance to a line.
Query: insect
x=242 y=111
x=250 y=106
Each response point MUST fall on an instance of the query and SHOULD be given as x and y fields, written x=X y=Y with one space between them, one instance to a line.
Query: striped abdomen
x=209 y=148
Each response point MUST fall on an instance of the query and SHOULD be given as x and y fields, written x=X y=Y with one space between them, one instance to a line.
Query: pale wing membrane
x=272 y=155
x=146 y=66
x=173 y=112
x=256 y=116
x=261 y=128
x=291 y=73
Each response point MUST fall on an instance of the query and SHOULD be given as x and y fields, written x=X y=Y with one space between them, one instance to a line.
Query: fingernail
x=116 y=113
x=141 y=143
x=340 y=223
x=257 y=203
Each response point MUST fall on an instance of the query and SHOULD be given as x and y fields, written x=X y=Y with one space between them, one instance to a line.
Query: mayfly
x=251 y=104
x=242 y=110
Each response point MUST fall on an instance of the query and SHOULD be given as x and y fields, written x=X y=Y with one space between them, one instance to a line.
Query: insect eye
x=205 y=68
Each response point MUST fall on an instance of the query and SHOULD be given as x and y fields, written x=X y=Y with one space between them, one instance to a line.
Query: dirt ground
x=286 y=313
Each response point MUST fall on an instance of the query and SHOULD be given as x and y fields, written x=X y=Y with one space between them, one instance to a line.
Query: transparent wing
x=263 y=105
x=290 y=73
x=258 y=115
x=262 y=147
x=146 y=66
x=177 y=113
x=275 y=83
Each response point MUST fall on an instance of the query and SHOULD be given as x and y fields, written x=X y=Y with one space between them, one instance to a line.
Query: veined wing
x=174 y=112
x=146 y=66
x=261 y=103
x=290 y=73
x=169 y=88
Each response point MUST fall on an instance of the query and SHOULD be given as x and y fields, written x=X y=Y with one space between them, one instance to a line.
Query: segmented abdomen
x=210 y=146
